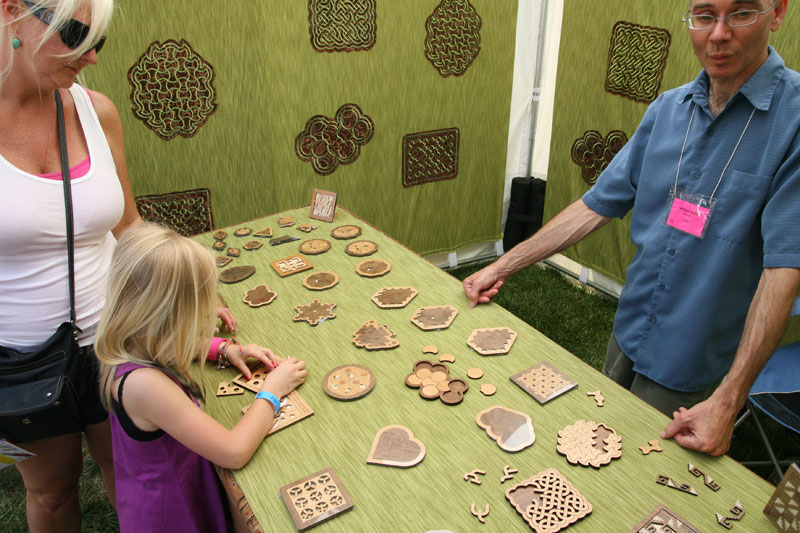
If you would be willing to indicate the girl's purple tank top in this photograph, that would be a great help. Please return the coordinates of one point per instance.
(161, 484)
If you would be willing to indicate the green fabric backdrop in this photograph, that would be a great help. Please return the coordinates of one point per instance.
(269, 81)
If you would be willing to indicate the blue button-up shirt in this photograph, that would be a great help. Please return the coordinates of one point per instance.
(682, 311)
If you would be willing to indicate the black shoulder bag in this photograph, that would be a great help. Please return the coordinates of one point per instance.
(39, 391)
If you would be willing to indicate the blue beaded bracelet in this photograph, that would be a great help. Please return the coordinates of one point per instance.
(271, 398)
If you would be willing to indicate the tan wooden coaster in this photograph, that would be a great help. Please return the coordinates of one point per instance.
(219, 245)
(589, 444)
(492, 341)
(783, 508)
(348, 382)
(474, 373)
(259, 295)
(264, 233)
(316, 498)
(258, 373)
(291, 265)
(512, 430)
(345, 232)
(374, 337)
(236, 274)
(314, 312)
(396, 446)
(323, 205)
(285, 221)
(306, 228)
(543, 381)
(222, 260)
(394, 297)
(315, 246)
(234, 252)
(220, 235)
(229, 389)
(242, 232)
(548, 502)
(434, 317)
(372, 268)
(319, 281)
(252, 245)
(487, 389)
(361, 248)
(662, 518)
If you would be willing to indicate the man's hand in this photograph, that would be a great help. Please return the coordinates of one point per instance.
(706, 427)
(482, 286)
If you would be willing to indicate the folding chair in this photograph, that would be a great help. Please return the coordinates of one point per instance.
(187, 212)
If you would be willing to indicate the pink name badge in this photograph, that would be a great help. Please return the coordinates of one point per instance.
(688, 217)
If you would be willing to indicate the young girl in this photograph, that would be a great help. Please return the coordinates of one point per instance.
(159, 318)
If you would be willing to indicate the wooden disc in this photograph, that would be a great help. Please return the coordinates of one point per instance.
(475, 373)
(319, 281)
(237, 274)
(487, 389)
(348, 382)
(429, 392)
(361, 248)
(345, 232)
(315, 246)
(372, 268)
(439, 376)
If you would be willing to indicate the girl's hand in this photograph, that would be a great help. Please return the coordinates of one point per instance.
(228, 320)
(238, 356)
(286, 377)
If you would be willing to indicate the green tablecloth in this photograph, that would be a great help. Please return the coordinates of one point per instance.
(434, 495)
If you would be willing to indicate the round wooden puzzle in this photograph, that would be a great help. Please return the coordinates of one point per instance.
(589, 444)
(345, 232)
(394, 297)
(315, 246)
(361, 248)
(348, 382)
(372, 268)
(236, 274)
(319, 281)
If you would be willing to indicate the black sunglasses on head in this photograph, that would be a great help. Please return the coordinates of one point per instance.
(72, 33)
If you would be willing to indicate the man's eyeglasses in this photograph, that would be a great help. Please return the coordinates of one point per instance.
(737, 19)
(72, 32)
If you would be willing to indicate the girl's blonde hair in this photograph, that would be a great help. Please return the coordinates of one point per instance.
(63, 10)
(160, 306)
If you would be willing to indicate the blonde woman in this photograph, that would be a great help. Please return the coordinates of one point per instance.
(44, 45)
(159, 318)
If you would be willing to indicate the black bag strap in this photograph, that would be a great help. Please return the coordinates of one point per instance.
(62, 141)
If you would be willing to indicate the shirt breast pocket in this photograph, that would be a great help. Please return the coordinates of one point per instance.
(736, 218)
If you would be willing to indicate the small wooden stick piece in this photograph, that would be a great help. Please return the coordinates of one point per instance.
(480, 515)
(598, 397)
(654, 446)
(473, 476)
(507, 471)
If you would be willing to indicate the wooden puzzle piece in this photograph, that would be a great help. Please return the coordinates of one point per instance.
(512, 430)
(285, 221)
(222, 260)
(589, 444)
(433, 381)
(242, 232)
(237, 274)
(345, 232)
(283, 239)
(348, 382)
(396, 446)
(375, 337)
(432, 349)
(234, 252)
(456, 388)
(487, 389)
(434, 317)
(319, 281)
(290, 265)
(598, 397)
(293, 409)
(323, 205)
(668, 482)
(472, 477)
(258, 373)
(710, 483)
(219, 245)
(264, 233)
(307, 228)
(229, 389)
(783, 508)
(475, 373)
(316, 498)
(361, 248)
(481, 516)
(654, 446)
(373, 268)
(259, 295)
(315, 246)
(220, 235)
(394, 297)
(492, 341)
(315, 312)
(507, 471)
(543, 381)
(664, 520)
(737, 511)
(447, 358)
(252, 245)
(548, 502)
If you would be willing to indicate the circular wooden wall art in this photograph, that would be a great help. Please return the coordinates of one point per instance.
(372, 268)
(345, 232)
(361, 248)
(319, 281)
(348, 382)
(236, 274)
(315, 246)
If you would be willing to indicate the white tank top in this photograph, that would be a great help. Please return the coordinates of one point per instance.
(34, 284)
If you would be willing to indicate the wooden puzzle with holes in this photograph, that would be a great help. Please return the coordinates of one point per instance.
(543, 381)
(548, 502)
(348, 382)
(290, 265)
(319, 281)
(394, 297)
(783, 508)
(314, 312)
(373, 336)
(589, 444)
(373, 268)
(492, 341)
(664, 520)
(316, 498)
(434, 317)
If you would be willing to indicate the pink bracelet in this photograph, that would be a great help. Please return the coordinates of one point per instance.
(213, 349)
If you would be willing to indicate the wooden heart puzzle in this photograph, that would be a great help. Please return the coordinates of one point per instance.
(543, 381)
(396, 446)
(316, 498)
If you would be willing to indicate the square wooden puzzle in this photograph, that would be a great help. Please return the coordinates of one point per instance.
(783, 508)
(323, 205)
(548, 502)
(664, 519)
(291, 265)
(316, 498)
(543, 381)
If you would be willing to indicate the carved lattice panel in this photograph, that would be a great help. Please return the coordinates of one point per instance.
(637, 57)
(342, 25)
(430, 156)
(593, 153)
(329, 142)
(453, 37)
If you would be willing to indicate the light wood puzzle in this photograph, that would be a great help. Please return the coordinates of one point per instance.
(259, 295)
(316, 498)
(348, 382)
(229, 389)
(361, 248)
(263, 233)
(589, 444)
(511, 430)
(345, 232)
(242, 232)
(396, 446)
(394, 297)
(492, 341)
(285, 221)
(314, 312)
(543, 381)
(548, 502)
(222, 260)
(290, 265)
(323, 205)
(319, 281)
(373, 336)
(315, 246)
(252, 245)
(783, 508)
(434, 317)
(373, 268)
(664, 520)
(237, 274)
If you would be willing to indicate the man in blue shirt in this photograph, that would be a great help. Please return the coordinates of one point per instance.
(712, 177)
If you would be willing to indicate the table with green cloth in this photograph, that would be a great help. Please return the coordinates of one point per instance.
(434, 494)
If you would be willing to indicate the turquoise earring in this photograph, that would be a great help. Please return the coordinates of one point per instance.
(15, 43)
